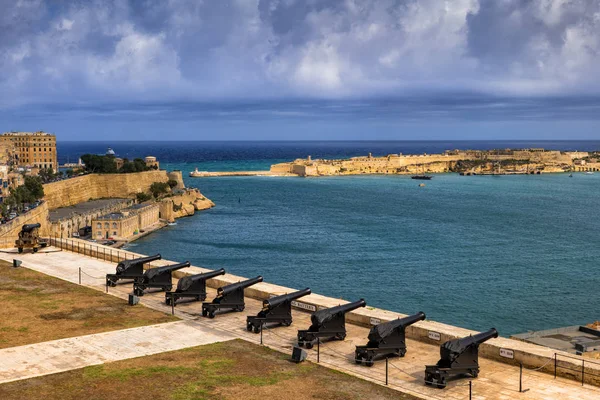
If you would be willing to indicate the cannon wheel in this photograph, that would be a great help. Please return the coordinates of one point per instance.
(249, 327)
(138, 292)
(240, 308)
(211, 314)
(20, 249)
(111, 283)
(204, 312)
(168, 301)
(340, 336)
(369, 361)
(286, 323)
(401, 353)
(256, 329)
(309, 345)
(474, 373)
(35, 249)
(441, 383)
(358, 359)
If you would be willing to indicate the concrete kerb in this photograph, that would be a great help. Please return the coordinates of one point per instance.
(500, 349)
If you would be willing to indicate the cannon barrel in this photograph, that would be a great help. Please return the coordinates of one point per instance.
(125, 264)
(235, 286)
(382, 330)
(29, 227)
(485, 336)
(167, 268)
(323, 315)
(187, 281)
(277, 300)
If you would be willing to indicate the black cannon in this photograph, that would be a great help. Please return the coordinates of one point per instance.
(229, 297)
(277, 309)
(130, 269)
(327, 323)
(159, 277)
(458, 356)
(192, 286)
(29, 238)
(386, 338)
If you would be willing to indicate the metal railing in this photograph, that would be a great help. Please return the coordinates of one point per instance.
(580, 371)
(92, 250)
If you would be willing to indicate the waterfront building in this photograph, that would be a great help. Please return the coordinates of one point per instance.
(151, 162)
(127, 222)
(31, 149)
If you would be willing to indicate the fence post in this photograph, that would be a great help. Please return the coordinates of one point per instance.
(582, 371)
(386, 371)
(470, 389)
(261, 329)
(173, 311)
(80, 275)
(554, 365)
(318, 349)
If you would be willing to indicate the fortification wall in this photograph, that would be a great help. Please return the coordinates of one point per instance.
(9, 232)
(183, 205)
(97, 186)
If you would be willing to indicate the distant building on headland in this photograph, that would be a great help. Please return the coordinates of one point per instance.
(29, 149)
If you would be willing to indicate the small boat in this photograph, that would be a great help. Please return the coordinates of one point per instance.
(570, 175)
(589, 173)
(422, 177)
(172, 223)
(110, 152)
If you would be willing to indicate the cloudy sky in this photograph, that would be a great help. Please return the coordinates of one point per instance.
(292, 69)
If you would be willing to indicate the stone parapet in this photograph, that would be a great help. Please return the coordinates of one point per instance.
(505, 350)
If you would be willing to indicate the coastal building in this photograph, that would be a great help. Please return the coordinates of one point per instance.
(31, 149)
(127, 222)
(151, 162)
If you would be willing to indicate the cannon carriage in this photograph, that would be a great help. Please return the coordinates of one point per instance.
(458, 356)
(159, 277)
(327, 323)
(192, 286)
(229, 297)
(130, 269)
(385, 339)
(277, 309)
(29, 238)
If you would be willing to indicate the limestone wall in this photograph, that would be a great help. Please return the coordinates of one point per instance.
(97, 186)
(10, 232)
(183, 205)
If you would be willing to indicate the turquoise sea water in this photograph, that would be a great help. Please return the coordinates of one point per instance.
(514, 252)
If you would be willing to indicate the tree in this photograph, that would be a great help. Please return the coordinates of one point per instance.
(142, 197)
(99, 164)
(158, 188)
(172, 183)
(34, 186)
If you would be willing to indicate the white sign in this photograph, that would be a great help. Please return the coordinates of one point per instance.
(506, 353)
(375, 321)
(304, 306)
(434, 335)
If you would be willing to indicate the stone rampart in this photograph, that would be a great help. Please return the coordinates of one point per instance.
(183, 205)
(97, 186)
(9, 232)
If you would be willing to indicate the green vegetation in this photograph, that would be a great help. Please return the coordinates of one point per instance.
(106, 164)
(229, 370)
(99, 164)
(158, 188)
(49, 308)
(137, 165)
(31, 191)
(172, 183)
(142, 197)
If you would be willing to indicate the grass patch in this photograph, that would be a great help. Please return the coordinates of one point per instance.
(37, 308)
(229, 370)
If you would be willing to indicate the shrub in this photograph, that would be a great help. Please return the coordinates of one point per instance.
(142, 197)
(158, 188)
(172, 183)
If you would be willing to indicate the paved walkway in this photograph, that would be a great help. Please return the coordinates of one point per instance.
(496, 380)
(46, 358)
